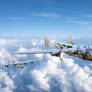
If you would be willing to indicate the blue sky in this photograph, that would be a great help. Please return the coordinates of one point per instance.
(40, 18)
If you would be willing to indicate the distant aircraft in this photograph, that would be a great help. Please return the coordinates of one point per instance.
(20, 65)
(82, 52)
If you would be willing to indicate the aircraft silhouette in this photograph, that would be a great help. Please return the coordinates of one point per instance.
(82, 52)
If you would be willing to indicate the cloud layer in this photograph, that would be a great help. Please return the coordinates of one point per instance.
(46, 74)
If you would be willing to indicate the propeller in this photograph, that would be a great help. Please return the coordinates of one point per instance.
(47, 43)
(70, 40)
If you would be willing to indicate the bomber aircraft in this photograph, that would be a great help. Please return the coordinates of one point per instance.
(82, 52)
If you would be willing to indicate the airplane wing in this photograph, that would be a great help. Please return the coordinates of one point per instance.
(90, 49)
(20, 65)
(35, 52)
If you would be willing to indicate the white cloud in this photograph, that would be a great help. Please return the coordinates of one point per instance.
(52, 15)
(34, 43)
(68, 75)
(32, 88)
(12, 18)
(79, 22)
(88, 15)
(22, 49)
(7, 82)
(48, 76)
(16, 18)
(89, 28)
(41, 79)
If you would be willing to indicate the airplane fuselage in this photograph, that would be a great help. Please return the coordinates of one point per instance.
(77, 51)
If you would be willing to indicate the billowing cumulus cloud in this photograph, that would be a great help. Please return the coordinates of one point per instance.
(6, 83)
(46, 74)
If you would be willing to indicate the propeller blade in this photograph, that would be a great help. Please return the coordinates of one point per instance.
(47, 43)
(70, 40)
